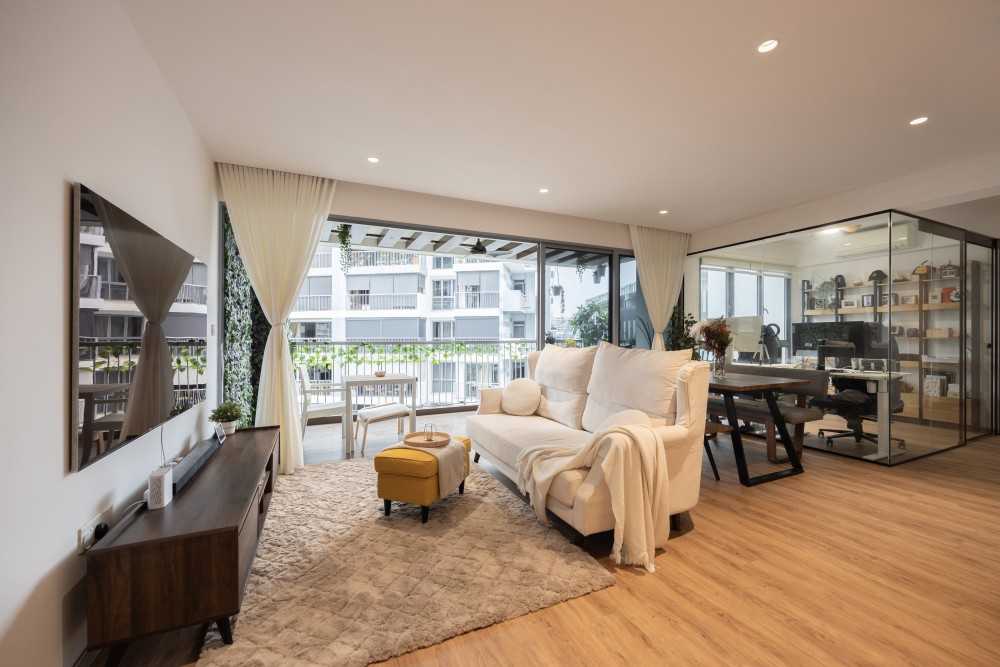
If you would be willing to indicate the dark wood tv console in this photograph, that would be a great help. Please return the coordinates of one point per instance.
(188, 562)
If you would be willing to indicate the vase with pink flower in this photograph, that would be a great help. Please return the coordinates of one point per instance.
(715, 337)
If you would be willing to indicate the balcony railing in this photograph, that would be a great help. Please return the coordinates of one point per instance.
(471, 366)
(193, 294)
(314, 302)
(361, 258)
(94, 286)
(479, 299)
(113, 291)
(322, 260)
(382, 301)
(443, 303)
(113, 361)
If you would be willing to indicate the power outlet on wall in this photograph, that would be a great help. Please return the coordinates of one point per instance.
(85, 533)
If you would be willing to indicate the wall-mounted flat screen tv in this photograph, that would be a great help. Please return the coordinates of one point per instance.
(139, 326)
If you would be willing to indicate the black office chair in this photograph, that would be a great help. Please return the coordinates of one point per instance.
(855, 405)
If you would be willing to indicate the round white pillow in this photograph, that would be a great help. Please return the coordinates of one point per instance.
(521, 397)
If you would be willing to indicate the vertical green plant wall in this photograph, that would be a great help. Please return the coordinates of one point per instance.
(244, 331)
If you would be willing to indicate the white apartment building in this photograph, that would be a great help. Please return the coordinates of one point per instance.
(387, 296)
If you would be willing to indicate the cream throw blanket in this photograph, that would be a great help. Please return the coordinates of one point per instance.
(635, 469)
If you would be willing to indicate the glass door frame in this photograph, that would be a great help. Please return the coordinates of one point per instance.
(614, 302)
(993, 246)
(964, 237)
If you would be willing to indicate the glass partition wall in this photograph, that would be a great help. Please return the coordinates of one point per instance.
(895, 309)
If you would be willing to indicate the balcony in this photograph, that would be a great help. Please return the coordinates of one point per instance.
(322, 260)
(314, 302)
(443, 303)
(113, 291)
(113, 361)
(382, 301)
(369, 258)
(461, 367)
(479, 299)
(193, 294)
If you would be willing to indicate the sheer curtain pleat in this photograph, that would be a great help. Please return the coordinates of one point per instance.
(659, 256)
(154, 270)
(277, 219)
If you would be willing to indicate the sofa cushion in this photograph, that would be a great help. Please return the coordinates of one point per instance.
(521, 397)
(636, 379)
(504, 436)
(563, 374)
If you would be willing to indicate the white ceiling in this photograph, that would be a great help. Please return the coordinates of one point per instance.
(621, 108)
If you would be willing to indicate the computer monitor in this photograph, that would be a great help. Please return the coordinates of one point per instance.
(808, 336)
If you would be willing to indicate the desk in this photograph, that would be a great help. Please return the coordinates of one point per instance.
(352, 381)
(878, 383)
(735, 383)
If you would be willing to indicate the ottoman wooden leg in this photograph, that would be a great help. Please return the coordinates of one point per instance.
(387, 506)
(424, 512)
(475, 459)
(461, 487)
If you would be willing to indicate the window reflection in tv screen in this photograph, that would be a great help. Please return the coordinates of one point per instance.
(140, 322)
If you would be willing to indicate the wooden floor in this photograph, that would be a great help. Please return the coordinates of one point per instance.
(849, 563)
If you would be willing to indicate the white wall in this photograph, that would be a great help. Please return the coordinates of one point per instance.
(84, 102)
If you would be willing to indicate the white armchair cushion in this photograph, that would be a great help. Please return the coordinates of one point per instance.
(635, 379)
(521, 397)
(563, 374)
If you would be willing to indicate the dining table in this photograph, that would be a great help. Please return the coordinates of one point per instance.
(354, 382)
(731, 385)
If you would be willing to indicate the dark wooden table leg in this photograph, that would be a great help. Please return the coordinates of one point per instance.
(779, 424)
(461, 487)
(737, 440)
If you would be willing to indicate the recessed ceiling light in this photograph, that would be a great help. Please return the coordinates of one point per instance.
(920, 120)
(373, 159)
(664, 211)
(767, 46)
(543, 191)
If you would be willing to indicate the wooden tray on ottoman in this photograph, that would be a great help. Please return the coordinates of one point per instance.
(419, 439)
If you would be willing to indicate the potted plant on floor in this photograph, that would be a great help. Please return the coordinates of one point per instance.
(227, 414)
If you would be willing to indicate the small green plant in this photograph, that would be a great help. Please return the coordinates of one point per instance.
(226, 412)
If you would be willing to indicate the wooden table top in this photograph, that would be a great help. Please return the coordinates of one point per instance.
(739, 382)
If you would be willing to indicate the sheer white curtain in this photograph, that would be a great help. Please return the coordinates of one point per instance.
(659, 256)
(154, 270)
(277, 220)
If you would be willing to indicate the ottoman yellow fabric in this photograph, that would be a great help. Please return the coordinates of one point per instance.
(410, 476)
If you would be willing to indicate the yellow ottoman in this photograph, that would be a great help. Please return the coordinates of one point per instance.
(411, 476)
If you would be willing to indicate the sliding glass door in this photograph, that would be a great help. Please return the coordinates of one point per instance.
(980, 400)
(577, 296)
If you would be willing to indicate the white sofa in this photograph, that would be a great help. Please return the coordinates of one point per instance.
(628, 379)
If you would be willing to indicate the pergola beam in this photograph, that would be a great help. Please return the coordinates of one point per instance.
(448, 243)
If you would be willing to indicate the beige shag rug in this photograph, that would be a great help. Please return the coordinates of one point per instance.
(336, 582)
